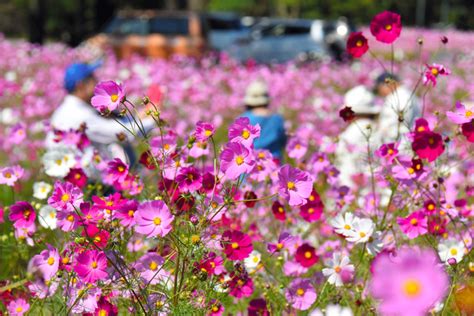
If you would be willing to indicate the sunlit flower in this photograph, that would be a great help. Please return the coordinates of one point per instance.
(340, 270)
(357, 44)
(451, 248)
(107, 96)
(300, 294)
(386, 27)
(41, 190)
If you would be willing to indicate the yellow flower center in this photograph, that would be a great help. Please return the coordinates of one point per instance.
(102, 312)
(52, 214)
(235, 245)
(413, 221)
(19, 309)
(307, 254)
(337, 269)
(431, 141)
(300, 292)
(311, 210)
(255, 259)
(431, 207)
(50, 261)
(215, 308)
(245, 134)
(114, 97)
(7, 175)
(65, 197)
(94, 264)
(157, 221)
(239, 160)
(207, 132)
(153, 266)
(388, 27)
(290, 185)
(453, 251)
(121, 169)
(65, 260)
(59, 162)
(434, 71)
(281, 210)
(311, 198)
(421, 129)
(347, 226)
(362, 234)
(411, 170)
(390, 151)
(412, 287)
(279, 245)
(359, 43)
(468, 113)
(70, 218)
(131, 213)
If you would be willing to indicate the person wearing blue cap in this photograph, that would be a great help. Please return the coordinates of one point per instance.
(76, 112)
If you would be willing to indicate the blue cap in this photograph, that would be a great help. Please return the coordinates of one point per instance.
(77, 72)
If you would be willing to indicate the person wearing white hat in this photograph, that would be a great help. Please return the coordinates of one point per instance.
(272, 133)
(351, 151)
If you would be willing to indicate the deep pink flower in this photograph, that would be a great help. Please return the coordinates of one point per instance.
(22, 214)
(47, 262)
(300, 294)
(426, 143)
(347, 114)
(240, 285)
(126, 213)
(241, 131)
(65, 197)
(204, 131)
(414, 225)
(117, 170)
(91, 266)
(77, 177)
(211, 264)
(18, 307)
(278, 211)
(189, 178)
(357, 44)
(153, 219)
(313, 210)
(387, 151)
(236, 159)
(306, 256)
(467, 130)
(410, 283)
(432, 72)
(461, 115)
(258, 307)
(295, 185)
(237, 245)
(107, 96)
(386, 27)
(296, 148)
(150, 267)
(67, 221)
(99, 237)
(90, 215)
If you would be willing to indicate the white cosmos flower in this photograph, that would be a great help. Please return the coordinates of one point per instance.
(362, 230)
(252, 261)
(375, 244)
(451, 248)
(41, 190)
(333, 310)
(343, 223)
(47, 217)
(339, 263)
(58, 161)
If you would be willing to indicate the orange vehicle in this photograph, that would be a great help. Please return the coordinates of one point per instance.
(159, 34)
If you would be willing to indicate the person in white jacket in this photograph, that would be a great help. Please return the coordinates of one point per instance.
(351, 151)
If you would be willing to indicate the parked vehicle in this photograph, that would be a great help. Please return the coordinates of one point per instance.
(155, 34)
(225, 29)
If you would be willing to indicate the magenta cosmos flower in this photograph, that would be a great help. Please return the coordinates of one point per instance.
(47, 262)
(22, 214)
(410, 283)
(236, 159)
(66, 197)
(150, 267)
(432, 72)
(91, 266)
(241, 131)
(153, 219)
(357, 44)
(426, 143)
(467, 130)
(414, 225)
(306, 255)
(189, 178)
(204, 131)
(18, 307)
(107, 96)
(237, 245)
(117, 170)
(295, 185)
(300, 294)
(461, 115)
(386, 27)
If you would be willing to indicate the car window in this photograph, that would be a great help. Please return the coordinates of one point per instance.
(170, 26)
(127, 26)
(224, 24)
(297, 30)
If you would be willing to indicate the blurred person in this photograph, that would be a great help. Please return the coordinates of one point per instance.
(76, 112)
(272, 134)
(351, 150)
(400, 107)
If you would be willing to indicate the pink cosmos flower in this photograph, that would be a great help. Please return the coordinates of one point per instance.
(236, 159)
(432, 72)
(10, 175)
(150, 267)
(237, 245)
(18, 307)
(410, 283)
(77, 176)
(189, 178)
(414, 225)
(461, 115)
(285, 241)
(117, 170)
(313, 210)
(387, 151)
(357, 44)
(153, 219)
(241, 131)
(211, 264)
(386, 27)
(306, 255)
(295, 185)
(467, 130)
(426, 143)
(65, 197)
(107, 96)
(91, 266)
(204, 131)
(126, 213)
(67, 221)
(240, 285)
(296, 148)
(22, 214)
(47, 262)
(300, 294)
